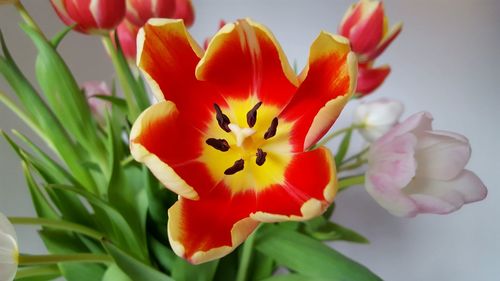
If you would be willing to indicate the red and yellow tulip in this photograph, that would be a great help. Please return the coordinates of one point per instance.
(90, 17)
(367, 27)
(232, 131)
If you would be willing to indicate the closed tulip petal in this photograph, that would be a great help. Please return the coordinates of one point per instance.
(184, 10)
(369, 79)
(386, 41)
(444, 153)
(367, 34)
(329, 84)
(140, 11)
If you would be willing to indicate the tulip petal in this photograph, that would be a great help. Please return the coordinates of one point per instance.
(7, 227)
(161, 139)
(367, 33)
(309, 187)
(211, 227)
(443, 197)
(168, 56)
(244, 60)
(184, 10)
(329, 84)
(369, 79)
(416, 124)
(140, 11)
(386, 41)
(8, 251)
(445, 155)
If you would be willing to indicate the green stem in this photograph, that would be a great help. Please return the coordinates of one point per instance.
(353, 166)
(335, 134)
(246, 258)
(125, 77)
(59, 224)
(37, 271)
(51, 259)
(127, 161)
(357, 156)
(347, 182)
(27, 18)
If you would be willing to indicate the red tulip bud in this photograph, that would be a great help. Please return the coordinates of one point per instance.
(127, 35)
(184, 10)
(90, 16)
(140, 11)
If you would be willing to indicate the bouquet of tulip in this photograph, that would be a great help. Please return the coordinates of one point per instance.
(230, 153)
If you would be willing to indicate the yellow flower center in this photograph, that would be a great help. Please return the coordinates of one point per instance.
(247, 146)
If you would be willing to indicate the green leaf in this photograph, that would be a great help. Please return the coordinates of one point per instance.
(62, 242)
(228, 267)
(114, 273)
(164, 255)
(295, 277)
(60, 36)
(343, 147)
(40, 202)
(109, 219)
(184, 271)
(309, 257)
(119, 102)
(135, 269)
(263, 266)
(49, 128)
(325, 230)
(64, 95)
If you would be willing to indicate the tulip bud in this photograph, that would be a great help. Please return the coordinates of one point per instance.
(377, 117)
(369, 79)
(366, 26)
(184, 10)
(127, 35)
(140, 11)
(90, 16)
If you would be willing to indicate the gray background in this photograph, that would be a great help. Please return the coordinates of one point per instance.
(446, 61)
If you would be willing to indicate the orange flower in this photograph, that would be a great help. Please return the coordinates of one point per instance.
(90, 17)
(231, 131)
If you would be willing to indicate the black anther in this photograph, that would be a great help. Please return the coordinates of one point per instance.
(261, 157)
(219, 144)
(252, 115)
(238, 166)
(222, 119)
(271, 132)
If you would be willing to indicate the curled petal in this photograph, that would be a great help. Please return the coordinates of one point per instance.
(211, 227)
(369, 79)
(329, 82)
(443, 197)
(244, 60)
(386, 41)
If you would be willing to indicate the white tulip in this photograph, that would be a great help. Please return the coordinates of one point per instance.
(9, 253)
(376, 118)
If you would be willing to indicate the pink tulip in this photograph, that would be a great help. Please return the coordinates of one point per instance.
(90, 16)
(140, 11)
(369, 79)
(127, 35)
(413, 169)
(366, 26)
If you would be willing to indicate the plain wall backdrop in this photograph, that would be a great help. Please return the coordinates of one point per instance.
(446, 61)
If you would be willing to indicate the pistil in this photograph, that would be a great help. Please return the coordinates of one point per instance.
(240, 133)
